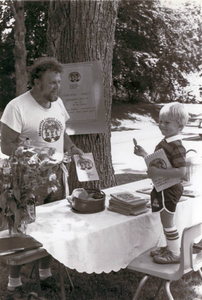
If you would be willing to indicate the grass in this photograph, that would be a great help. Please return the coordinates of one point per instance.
(115, 285)
(127, 111)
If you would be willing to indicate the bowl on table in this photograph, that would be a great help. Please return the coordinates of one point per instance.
(87, 201)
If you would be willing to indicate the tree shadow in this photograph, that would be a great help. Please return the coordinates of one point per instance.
(129, 177)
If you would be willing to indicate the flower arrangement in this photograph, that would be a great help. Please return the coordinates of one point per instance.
(21, 177)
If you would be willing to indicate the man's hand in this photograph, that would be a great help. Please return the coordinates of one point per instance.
(70, 147)
(75, 150)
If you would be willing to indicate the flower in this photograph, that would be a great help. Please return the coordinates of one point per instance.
(21, 177)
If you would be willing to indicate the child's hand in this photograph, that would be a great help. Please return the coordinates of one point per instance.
(138, 150)
(134, 142)
(153, 172)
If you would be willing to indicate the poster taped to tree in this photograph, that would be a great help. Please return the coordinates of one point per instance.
(82, 95)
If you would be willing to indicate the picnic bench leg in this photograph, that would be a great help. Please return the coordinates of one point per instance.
(32, 271)
(62, 287)
(38, 283)
(67, 272)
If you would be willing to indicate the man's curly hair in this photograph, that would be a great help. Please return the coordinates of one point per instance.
(41, 65)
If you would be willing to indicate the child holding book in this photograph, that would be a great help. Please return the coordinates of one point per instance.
(172, 119)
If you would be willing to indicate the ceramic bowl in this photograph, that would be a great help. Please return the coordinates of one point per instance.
(94, 203)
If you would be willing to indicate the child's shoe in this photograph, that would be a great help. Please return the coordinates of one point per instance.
(167, 258)
(159, 251)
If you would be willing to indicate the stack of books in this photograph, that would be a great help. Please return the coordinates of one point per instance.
(127, 203)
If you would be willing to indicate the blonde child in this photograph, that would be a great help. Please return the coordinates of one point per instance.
(172, 119)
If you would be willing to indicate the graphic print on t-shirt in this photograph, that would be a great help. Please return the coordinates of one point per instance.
(50, 130)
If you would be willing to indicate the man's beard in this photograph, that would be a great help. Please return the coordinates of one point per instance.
(52, 97)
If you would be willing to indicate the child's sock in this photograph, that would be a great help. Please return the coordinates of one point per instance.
(173, 240)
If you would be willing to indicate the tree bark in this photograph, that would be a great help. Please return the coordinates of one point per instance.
(20, 52)
(80, 31)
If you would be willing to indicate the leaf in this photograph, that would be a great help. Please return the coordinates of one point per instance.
(18, 217)
(11, 204)
(3, 221)
(3, 200)
(1, 186)
(26, 178)
(36, 192)
(9, 213)
(16, 193)
(15, 183)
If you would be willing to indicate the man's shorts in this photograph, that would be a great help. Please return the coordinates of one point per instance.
(166, 199)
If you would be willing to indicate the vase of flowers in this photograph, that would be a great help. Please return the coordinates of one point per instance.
(21, 177)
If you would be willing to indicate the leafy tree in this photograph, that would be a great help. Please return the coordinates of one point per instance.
(36, 16)
(7, 71)
(155, 46)
(35, 19)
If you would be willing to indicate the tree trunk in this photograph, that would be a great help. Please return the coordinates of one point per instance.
(80, 31)
(20, 52)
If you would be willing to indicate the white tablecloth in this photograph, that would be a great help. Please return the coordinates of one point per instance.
(104, 241)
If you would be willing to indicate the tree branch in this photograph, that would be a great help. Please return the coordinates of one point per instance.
(12, 6)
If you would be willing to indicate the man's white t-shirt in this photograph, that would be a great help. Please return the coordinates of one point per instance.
(44, 127)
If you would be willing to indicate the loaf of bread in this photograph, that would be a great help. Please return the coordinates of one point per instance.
(80, 193)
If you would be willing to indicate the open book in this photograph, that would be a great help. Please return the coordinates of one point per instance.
(85, 167)
(159, 160)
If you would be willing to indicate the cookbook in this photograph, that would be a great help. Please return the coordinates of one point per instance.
(159, 160)
(85, 167)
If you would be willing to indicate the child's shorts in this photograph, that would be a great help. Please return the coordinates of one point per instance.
(166, 199)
